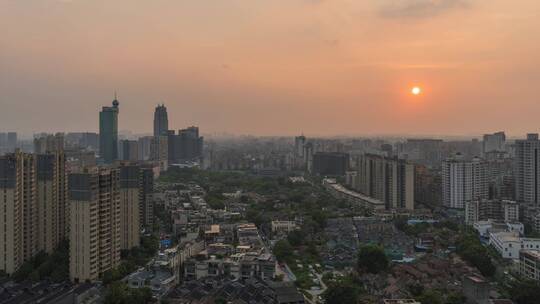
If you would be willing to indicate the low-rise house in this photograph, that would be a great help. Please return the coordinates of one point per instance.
(484, 228)
(159, 281)
(247, 291)
(283, 227)
(239, 266)
(509, 244)
(529, 264)
(475, 289)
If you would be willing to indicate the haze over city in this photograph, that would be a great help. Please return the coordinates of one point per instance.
(322, 67)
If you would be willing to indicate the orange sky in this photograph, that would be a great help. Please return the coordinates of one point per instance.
(273, 67)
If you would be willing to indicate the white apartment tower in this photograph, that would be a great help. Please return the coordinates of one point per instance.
(463, 180)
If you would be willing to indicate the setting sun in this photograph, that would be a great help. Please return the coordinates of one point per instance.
(416, 91)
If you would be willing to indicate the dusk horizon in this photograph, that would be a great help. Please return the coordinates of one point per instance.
(322, 67)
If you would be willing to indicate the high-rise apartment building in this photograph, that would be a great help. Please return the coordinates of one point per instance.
(187, 145)
(130, 178)
(427, 183)
(299, 142)
(12, 140)
(299, 156)
(308, 157)
(161, 121)
(51, 193)
(3, 139)
(94, 198)
(330, 163)
(18, 210)
(499, 210)
(427, 152)
(146, 198)
(130, 150)
(527, 170)
(463, 180)
(159, 151)
(494, 142)
(49, 143)
(390, 180)
(108, 132)
(145, 147)
(84, 140)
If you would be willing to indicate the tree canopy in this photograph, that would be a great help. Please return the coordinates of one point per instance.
(371, 259)
(343, 291)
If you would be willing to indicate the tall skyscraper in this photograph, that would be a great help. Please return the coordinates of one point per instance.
(527, 170)
(463, 181)
(18, 210)
(390, 180)
(161, 121)
(108, 132)
(299, 142)
(52, 208)
(94, 242)
(129, 206)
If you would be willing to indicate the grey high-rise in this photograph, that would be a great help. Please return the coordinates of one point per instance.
(161, 121)
(527, 170)
(108, 132)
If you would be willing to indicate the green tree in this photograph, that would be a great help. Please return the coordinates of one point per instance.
(430, 297)
(455, 298)
(283, 250)
(371, 258)
(220, 300)
(139, 296)
(524, 292)
(116, 293)
(296, 238)
(472, 251)
(342, 292)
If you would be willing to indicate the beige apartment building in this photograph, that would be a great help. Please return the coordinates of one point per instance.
(94, 199)
(18, 216)
(130, 226)
(51, 192)
(390, 180)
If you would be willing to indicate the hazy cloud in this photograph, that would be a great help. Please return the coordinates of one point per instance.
(419, 8)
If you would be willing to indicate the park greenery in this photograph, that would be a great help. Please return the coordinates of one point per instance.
(471, 250)
(132, 259)
(44, 266)
(524, 292)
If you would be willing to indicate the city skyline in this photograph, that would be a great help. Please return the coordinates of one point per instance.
(325, 68)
